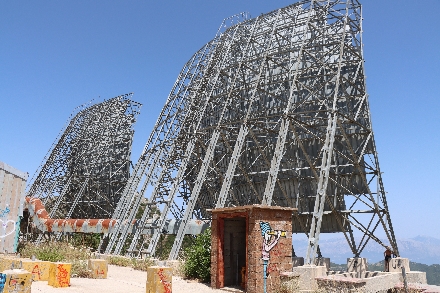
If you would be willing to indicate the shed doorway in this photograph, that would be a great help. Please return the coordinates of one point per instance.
(234, 252)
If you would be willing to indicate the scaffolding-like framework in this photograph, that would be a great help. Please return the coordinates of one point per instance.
(274, 111)
(86, 169)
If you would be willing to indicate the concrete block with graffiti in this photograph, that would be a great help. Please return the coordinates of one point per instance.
(38, 268)
(159, 279)
(59, 274)
(16, 281)
(12, 186)
(99, 268)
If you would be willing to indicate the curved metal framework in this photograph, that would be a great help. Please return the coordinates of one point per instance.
(85, 171)
(274, 110)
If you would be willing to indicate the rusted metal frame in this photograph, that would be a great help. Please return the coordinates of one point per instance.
(368, 228)
(43, 170)
(208, 156)
(360, 249)
(266, 160)
(231, 168)
(155, 196)
(278, 181)
(352, 193)
(165, 115)
(245, 175)
(350, 120)
(317, 178)
(362, 228)
(104, 109)
(226, 184)
(264, 61)
(376, 207)
(282, 133)
(58, 141)
(393, 241)
(315, 226)
(214, 166)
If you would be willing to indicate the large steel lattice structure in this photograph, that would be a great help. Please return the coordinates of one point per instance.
(85, 171)
(274, 111)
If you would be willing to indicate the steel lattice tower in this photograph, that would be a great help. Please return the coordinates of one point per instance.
(85, 171)
(274, 111)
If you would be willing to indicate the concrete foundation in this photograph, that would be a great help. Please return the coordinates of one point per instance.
(16, 281)
(159, 279)
(8, 262)
(397, 263)
(323, 261)
(368, 281)
(303, 278)
(357, 265)
(99, 268)
(415, 277)
(59, 274)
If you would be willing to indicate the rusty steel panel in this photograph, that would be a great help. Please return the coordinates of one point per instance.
(12, 185)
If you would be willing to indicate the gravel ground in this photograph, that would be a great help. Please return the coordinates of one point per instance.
(121, 279)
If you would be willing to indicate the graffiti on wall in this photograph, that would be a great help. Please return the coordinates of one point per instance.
(270, 240)
(62, 276)
(17, 283)
(2, 282)
(164, 281)
(7, 227)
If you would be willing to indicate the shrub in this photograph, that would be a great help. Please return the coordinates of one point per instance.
(59, 251)
(198, 258)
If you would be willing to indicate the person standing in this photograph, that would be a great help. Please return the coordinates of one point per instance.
(388, 252)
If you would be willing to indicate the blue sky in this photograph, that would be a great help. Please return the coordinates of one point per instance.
(57, 55)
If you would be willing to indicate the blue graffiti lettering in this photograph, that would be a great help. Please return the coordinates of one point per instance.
(4, 212)
(2, 282)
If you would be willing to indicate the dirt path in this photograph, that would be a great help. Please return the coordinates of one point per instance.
(121, 279)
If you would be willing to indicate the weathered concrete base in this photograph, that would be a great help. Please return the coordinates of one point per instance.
(17, 281)
(8, 262)
(159, 279)
(59, 274)
(304, 277)
(368, 282)
(417, 288)
(357, 265)
(297, 261)
(397, 263)
(323, 261)
(38, 268)
(99, 268)
(415, 277)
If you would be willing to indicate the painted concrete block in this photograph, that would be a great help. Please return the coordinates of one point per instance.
(358, 265)
(16, 281)
(323, 261)
(159, 279)
(38, 268)
(2, 281)
(99, 268)
(59, 274)
(397, 263)
(307, 275)
(8, 262)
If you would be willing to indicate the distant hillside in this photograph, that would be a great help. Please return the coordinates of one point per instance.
(421, 249)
